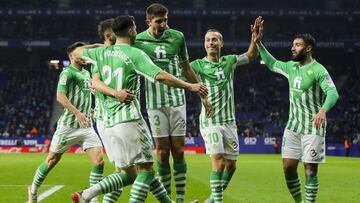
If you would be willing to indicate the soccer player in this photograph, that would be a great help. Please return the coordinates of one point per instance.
(107, 35)
(131, 143)
(312, 93)
(166, 106)
(219, 131)
(74, 126)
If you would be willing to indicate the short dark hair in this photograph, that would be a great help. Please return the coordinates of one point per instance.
(156, 9)
(73, 46)
(103, 26)
(308, 39)
(122, 24)
(214, 30)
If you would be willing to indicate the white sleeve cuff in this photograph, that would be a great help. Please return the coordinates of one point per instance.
(242, 59)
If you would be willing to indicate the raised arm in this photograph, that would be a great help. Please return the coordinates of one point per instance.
(271, 62)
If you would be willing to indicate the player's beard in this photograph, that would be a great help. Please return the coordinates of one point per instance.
(300, 56)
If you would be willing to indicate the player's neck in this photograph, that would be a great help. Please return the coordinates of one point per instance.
(76, 65)
(306, 61)
(155, 34)
(123, 40)
(213, 57)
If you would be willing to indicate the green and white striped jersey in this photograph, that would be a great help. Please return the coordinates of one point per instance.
(167, 52)
(99, 110)
(75, 84)
(121, 66)
(308, 86)
(218, 78)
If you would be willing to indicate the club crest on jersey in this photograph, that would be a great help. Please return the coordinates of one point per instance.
(309, 72)
(63, 80)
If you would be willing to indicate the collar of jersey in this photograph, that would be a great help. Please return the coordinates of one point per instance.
(162, 36)
(75, 69)
(307, 65)
(207, 60)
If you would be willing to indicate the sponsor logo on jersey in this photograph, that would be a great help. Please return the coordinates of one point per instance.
(329, 81)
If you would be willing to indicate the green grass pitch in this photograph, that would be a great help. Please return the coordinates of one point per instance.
(258, 178)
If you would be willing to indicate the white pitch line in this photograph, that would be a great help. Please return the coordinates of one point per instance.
(49, 192)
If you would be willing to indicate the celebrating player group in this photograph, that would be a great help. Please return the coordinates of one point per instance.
(160, 55)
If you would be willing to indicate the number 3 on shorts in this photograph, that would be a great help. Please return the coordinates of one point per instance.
(157, 120)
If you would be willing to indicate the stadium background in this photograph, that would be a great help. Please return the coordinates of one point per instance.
(33, 32)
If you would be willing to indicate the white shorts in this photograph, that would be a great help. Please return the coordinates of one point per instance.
(130, 143)
(65, 137)
(100, 125)
(307, 148)
(221, 139)
(168, 121)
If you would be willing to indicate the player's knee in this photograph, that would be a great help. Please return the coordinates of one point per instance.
(178, 154)
(163, 152)
(230, 165)
(310, 170)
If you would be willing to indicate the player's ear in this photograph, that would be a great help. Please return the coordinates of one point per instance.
(309, 48)
(148, 22)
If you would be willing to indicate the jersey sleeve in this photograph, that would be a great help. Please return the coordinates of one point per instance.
(274, 65)
(327, 85)
(241, 59)
(195, 66)
(183, 53)
(144, 66)
(90, 55)
(64, 81)
(94, 70)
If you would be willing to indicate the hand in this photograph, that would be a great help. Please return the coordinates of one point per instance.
(207, 106)
(92, 116)
(319, 118)
(82, 120)
(125, 96)
(257, 30)
(199, 88)
(92, 90)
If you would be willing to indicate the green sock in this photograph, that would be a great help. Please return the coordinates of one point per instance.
(96, 174)
(294, 185)
(164, 173)
(311, 188)
(115, 181)
(216, 186)
(226, 177)
(112, 197)
(110, 183)
(39, 177)
(180, 179)
(158, 190)
(141, 186)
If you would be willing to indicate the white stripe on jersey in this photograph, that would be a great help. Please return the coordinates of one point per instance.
(312, 108)
(306, 112)
(150, 93)
(158, 95)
